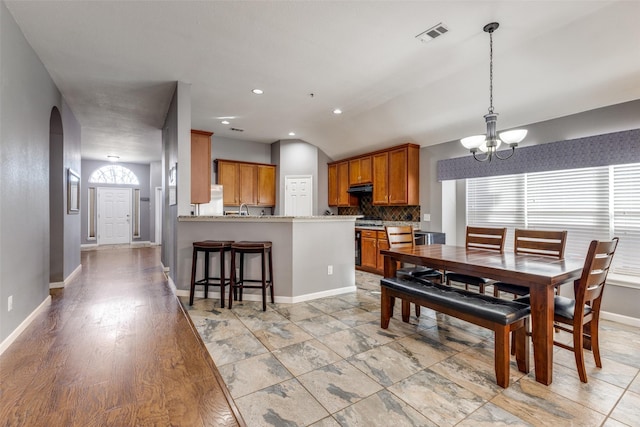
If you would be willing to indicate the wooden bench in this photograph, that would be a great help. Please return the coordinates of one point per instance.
(501, 316)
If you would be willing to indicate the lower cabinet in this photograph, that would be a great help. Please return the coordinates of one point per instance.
(370, 244)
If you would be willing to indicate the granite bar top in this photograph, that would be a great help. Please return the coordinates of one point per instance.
(265, 218)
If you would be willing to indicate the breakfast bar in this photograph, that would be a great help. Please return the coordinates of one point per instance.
(313, 257)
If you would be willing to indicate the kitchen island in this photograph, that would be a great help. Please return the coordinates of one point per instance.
(313, 257)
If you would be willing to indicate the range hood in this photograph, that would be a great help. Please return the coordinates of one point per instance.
(360, 189)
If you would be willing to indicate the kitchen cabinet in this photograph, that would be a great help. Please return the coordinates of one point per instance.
(266, 185)
(200, 166)
(396, 175)
(333, 184)
(360, 171)
(339, 184)
(245, 182)
(371, 242)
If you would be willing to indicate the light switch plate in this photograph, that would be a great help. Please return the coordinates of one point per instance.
(426, 217)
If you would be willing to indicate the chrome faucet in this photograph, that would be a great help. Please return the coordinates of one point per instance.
(246, 208)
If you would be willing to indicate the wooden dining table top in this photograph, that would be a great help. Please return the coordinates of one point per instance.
(525, 270)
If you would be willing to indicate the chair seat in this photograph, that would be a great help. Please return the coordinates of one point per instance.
(212, 244)
(471, 280)
(562, 306)
(418, 271)
(245, 245)
(511, 288)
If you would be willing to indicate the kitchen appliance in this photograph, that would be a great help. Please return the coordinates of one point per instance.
(216, 206)
(358, 247)
(429, 238)
(360, 189)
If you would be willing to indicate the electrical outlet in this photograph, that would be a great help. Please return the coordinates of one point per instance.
(10, 303)
(330, 270)
(426, 217)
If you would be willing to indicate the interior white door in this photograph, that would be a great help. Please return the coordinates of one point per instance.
(114, 216)
(298, 200)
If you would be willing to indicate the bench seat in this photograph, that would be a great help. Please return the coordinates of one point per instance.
(500, 316)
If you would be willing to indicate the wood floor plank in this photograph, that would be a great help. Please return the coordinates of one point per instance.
(114, 348)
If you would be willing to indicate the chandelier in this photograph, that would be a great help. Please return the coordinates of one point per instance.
(490, 142)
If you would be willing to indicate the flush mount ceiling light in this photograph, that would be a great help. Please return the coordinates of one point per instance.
(292, 134)
(490, 142)
(225, 122)
(337, 111)
(258, 91)
(113, 158)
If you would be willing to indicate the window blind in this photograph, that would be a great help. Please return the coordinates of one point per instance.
(591, 204)
(626, 218)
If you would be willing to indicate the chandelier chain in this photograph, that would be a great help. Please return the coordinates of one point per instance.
(491, 72)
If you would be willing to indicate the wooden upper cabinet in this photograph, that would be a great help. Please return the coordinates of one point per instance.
(248, 181)
(200, 166)
(229, 179)
(266, 185)
(344, 198)
(404, 173)
(245, 182)
(333, 184)
(360, 171)
(381, 178)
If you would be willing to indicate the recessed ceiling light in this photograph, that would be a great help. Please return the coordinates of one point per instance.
(258, 91)
(113, 158)
(292, 134)
(337, 111)
(225, 122)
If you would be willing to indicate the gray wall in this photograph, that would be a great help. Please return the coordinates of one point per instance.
(142, 171)
(28, 96)
(295, 157)
(155, 180)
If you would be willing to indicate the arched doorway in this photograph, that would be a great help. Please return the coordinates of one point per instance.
(56, 200)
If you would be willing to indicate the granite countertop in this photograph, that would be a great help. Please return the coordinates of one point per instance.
(264, 218)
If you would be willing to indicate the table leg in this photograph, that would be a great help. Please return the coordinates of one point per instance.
(542, 331)
(390, 266)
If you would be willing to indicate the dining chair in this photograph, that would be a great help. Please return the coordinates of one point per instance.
(486, 238)
(588, 289)
(401, 236)
(546, 243)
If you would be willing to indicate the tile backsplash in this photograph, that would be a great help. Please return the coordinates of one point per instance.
(386, 213)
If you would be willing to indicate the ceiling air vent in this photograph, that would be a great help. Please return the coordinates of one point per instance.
(237, 130)
(432, 33)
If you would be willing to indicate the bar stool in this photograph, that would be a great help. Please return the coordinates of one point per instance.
(246, 247)
(209, 247)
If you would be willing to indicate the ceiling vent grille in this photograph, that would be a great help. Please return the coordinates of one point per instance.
(237, 130)
(432, 33)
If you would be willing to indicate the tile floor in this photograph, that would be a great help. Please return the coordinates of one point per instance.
(327, 363)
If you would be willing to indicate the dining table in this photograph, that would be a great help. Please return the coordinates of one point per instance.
(539, 273)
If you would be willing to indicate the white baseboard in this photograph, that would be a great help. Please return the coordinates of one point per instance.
(134, 244)
(619, 318)
(252, 296)
(65, 282)
(25, 323)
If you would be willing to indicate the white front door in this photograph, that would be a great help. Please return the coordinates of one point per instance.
(298, 200)
(114, 215)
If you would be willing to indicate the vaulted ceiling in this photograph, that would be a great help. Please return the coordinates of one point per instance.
(116, 64)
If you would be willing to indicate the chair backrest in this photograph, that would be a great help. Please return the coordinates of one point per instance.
(400, 236)
(540, 242)
(588, 289)
(486, 238)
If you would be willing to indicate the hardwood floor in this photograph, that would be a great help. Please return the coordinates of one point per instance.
(115, 348)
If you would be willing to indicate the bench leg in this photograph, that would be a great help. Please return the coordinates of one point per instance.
(502, 354)
(406, 311)
(522, 344)
(386, 307)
